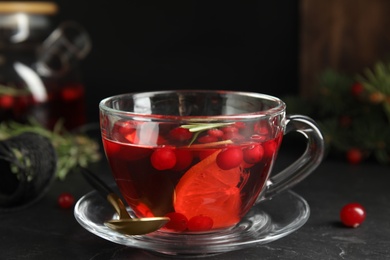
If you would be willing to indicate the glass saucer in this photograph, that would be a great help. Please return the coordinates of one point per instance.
(266, 222)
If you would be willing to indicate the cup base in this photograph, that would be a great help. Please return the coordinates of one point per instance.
(266, 222)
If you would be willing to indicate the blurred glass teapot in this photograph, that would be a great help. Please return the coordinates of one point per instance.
(39, 67)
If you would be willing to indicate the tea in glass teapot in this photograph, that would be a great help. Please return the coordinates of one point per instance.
(40, 65)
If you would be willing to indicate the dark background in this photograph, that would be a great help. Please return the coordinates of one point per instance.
(155, 45)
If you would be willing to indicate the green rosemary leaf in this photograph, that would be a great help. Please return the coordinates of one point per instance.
(72, 149)
(202, 127)
(197, 128)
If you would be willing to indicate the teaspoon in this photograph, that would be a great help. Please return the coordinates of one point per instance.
(125, 224)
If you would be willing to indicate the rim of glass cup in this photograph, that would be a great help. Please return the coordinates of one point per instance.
(279, 108)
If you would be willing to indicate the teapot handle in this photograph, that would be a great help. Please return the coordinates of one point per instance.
(65, 45)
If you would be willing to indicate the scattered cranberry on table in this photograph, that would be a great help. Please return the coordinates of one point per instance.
(354, 156)
(357, 89)
(65, 200)
(352, 214)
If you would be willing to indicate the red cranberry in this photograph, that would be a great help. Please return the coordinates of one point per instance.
(65, 200)
(354, 156)
(262, 128)
(230, 129)
(352, 215)
(270, 148)
(183, 160)
(6, 101)
(229, 158)
(207, 139)
(180, 134)
(200, 223)
(357, 89)
(240, 125)
(178, 222)
(72, 93)
(163, 159)
(215, 132)
(253, 154)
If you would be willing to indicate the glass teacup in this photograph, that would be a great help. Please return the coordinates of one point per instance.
(202, 158)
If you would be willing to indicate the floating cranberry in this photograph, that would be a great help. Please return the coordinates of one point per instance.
(178, 222)
(235, 136)
(183, 160)
(240, 125)
(180, 134)
(253, 154)
(352, 215)
(215, 132)
(65, 200)
(270, 148)
(200, 223)
(230, 129)
(163, 159)
(229, 158)
(207, 139)
(262, 128)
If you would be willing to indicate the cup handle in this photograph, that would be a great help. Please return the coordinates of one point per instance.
(303, 166)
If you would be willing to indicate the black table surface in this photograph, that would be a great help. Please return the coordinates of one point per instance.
(45, 231)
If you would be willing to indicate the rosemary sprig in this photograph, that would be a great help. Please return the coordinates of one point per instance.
(12, 91)
(72, 149)
(204, 126)
(377, 82)
(199, 128)
(212, 145)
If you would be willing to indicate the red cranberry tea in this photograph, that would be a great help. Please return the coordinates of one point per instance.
(203, 176)
(201, 157)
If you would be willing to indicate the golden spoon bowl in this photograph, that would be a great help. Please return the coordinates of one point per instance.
(125, 224)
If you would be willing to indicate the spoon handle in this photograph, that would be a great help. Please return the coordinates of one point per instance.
(106, 192)
(97, 183)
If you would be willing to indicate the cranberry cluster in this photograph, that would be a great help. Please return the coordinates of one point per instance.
(178, 222)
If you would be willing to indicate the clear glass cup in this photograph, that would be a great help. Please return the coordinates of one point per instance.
(203, 158)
